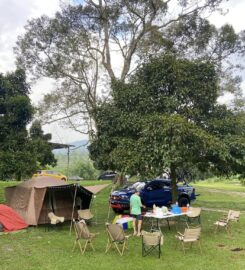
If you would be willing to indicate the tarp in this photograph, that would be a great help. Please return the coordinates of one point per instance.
(10, 220)
(97, 188)
(34, 199)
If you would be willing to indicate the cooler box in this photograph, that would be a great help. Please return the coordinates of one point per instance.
(125, 222)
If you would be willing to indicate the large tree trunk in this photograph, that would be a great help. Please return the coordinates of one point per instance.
(173, 176)
(120, 179)
(18, 176)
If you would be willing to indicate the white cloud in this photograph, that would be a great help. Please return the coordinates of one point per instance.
(63, 135)
(39, 89)
(13, 16)
(234, 10)
(226, 98)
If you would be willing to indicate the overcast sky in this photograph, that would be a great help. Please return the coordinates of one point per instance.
(14, 15)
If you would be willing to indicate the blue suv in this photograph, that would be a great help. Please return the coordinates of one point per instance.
(157, 191)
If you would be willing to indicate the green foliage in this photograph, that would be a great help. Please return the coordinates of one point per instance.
(15, 113)
(80, 165)
(77, 45)
(20, 154)
(167, 116)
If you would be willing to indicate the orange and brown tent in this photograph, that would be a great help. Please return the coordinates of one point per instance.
(34, 199)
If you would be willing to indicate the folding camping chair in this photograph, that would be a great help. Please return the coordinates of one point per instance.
(151, 241)
(225, 222)
(82, 232)
(85, 214)
(194, 217)
(116, 237)
(189, 236)
(54, 220)
(234, 215)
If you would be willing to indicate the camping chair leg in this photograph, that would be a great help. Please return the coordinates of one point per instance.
(120, 252)
(126, 244)
(176, 245)
(145, 251)
(108, 246)
(123, 248)
(74, 246)
(199, 243)
(91, 245)
(85, 246)
(79, 244)
(183, 246)
(229, 228)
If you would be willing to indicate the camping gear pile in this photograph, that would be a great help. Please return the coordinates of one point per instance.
(124, 220)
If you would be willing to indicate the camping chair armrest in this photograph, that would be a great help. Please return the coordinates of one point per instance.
(223, 220)
(180, 234)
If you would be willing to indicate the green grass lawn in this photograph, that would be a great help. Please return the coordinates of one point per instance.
(220, 195)
(38, 248)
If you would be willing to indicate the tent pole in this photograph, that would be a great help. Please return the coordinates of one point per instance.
(91, 205)
(68, 162)
(109, 207)
(74, 200)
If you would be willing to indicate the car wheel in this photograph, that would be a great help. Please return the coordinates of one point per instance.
(63, 179)
(183, 201)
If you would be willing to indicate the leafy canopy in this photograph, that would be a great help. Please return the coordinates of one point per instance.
(167, 116)
(20, 154)
(87, 45)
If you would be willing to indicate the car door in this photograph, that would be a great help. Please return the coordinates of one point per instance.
(166, 198)
(156, 192)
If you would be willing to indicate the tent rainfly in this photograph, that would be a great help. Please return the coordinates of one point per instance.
(10, 220)
(35, 198)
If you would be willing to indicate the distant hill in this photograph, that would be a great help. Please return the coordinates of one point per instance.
(79, 147)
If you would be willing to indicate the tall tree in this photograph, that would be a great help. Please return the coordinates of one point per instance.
(87, 46)
(15, 113)
(20, 153)
(167, 116)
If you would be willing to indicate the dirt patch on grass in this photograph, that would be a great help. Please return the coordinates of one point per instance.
(237, 249)
(235, 193)
(229, 248)
(220, 245)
